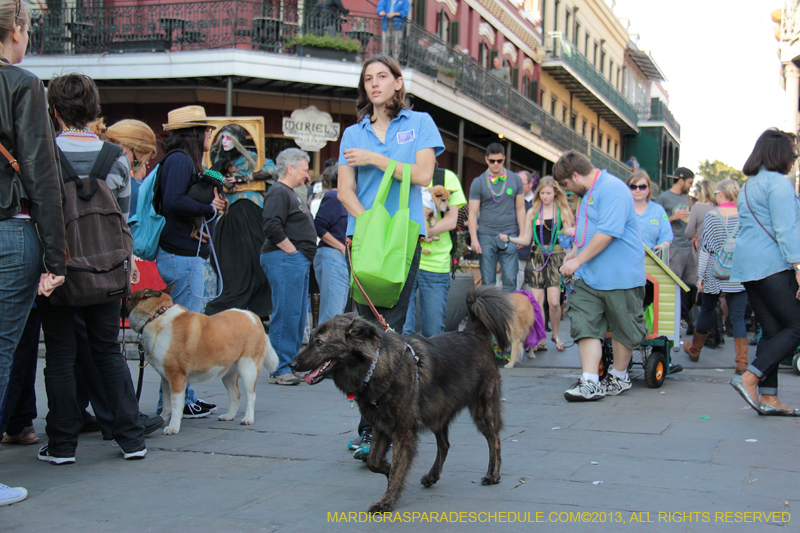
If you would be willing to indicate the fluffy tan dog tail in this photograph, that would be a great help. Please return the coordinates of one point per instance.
(270, 360)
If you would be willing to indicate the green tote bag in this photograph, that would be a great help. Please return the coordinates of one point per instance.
(383, 246)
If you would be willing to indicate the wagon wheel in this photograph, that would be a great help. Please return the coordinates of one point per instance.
(606, 360)
(796, 363)
(655, 369)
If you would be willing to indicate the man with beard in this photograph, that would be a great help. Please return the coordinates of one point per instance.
(608, 267)
(675, 202)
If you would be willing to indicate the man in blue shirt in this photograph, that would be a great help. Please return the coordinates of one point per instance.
(609, 275)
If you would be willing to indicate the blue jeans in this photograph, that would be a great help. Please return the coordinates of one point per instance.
(494, 250)
(737, 301)
(186, 274)
(433, 288)
(20, 266)
(333, 277)
(288, 278)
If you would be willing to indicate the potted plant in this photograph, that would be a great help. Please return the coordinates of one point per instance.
(446, 76)
(326, 46)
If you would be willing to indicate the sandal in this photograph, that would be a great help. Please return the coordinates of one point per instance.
(559, 343)
(541, 347)
(25, 437)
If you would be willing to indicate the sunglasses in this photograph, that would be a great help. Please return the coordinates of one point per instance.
(641, 187)
(496, 161)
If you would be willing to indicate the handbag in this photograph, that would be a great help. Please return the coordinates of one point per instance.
(384, 245)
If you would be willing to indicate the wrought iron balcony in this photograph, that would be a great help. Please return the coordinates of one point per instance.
(271, 26)
(617, 168)
(570, 68)
(659, 112)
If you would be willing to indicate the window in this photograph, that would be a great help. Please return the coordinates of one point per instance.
(420, 10)
(602, 66)
(600, 139)
(455, 36)
(611, 71)
(553, 101)
(556, 5)
(594, 57)
(573, 121)
(591, 138)
(492, 55)
(576, 33)
(483, 55)
(515, 77)
(583, 128)
(443, 25)
(533, 90)
(586, 46)
(608, 145)
(619, 80)
(564, 114)
(567, 22)
(616, 148)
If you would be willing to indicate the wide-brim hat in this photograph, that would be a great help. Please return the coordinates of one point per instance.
(682, 173)
(190, 116)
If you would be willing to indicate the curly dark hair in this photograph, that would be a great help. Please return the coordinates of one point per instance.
(76, 99)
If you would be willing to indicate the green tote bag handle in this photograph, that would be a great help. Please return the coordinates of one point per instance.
(384, 245)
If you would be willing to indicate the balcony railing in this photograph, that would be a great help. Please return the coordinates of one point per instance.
(601, 160)
(270, 26)
(565, 51)
(659, 112)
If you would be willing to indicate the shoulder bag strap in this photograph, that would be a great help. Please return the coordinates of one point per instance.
(438, 177)
(11, 160)
(69, 172)
(747, 201)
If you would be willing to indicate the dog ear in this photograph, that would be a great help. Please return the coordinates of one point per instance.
(362, 335)
(452, 191)
(168, 290)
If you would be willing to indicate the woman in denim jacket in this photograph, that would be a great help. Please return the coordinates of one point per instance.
(767, 261)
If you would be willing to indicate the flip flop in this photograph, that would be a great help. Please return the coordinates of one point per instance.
(25, 437)
(559, 344)
(540, 347)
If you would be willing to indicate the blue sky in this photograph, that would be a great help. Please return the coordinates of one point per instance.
(721, 60)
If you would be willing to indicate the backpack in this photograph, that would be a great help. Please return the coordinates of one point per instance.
(99, 243)
(724, 256)
(438, 179)
(146, 224)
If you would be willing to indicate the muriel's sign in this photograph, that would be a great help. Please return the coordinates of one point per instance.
(311, 128)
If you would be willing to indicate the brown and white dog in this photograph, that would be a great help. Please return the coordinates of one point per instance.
(434, 199)
(185, 346)
(524, 318)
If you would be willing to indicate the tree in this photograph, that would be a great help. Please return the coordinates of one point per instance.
(717, 170)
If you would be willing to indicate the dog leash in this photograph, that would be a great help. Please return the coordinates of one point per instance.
(203, 228)
(380, 318)
(161, 311)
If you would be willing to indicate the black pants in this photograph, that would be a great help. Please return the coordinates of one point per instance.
(64, 419)
(89, 381)
(775, 303)
(395, 316)
(20, 410)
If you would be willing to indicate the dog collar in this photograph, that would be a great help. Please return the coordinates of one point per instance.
(351, 396)
(160, 312)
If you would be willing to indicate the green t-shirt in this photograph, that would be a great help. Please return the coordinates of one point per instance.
(439, 258)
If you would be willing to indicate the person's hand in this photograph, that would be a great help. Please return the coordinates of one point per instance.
(219, 203)
(392, 15)
(797, 275)
(700, 286)
(569, 232)
(358, 157)
(49, 282)
(382, 14)
(682, 213)
(571, 255)
(569, 267)
(503, 237)
(520, 247)
(135, 275)
(476, 247)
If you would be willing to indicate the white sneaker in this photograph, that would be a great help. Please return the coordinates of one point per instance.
(44, 455)
(614, 386)
(134, 455)
(584, 391)
(9, 495)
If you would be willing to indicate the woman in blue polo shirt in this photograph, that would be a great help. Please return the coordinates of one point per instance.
(653, 220)
(386, 131)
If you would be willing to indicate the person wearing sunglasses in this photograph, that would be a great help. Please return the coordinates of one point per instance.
(497, 196)
(653, 220)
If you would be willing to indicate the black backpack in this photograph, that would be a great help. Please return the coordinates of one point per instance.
(99, 243)
(438, 179)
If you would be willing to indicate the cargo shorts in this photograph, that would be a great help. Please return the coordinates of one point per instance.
(593, 312)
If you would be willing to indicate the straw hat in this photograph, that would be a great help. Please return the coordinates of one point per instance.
(186, 117)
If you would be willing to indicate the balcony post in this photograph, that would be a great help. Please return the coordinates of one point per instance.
(460, 151)
(792, 74)
(229, 97)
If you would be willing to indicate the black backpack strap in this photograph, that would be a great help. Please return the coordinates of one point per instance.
(68, 171)
(438, 177)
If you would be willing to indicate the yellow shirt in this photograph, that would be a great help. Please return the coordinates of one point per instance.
(439, 258)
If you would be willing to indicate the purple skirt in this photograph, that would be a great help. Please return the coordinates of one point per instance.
(537, 333)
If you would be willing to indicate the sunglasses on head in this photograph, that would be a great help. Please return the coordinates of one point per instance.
(496, 161)
(641, 187)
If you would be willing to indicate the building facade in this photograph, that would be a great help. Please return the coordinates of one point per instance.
(576, 79)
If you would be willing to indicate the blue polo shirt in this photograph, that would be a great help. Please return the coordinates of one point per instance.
(654, 225)
(611, 212)
(408, 133)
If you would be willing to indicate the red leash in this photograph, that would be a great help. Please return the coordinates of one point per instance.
(380, 318)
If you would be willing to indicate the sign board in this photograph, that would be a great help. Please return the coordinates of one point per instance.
(311, 128)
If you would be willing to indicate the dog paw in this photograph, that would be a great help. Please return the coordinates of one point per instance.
(169, 430)
(225, 418)
(380, 507)
(247, 421)
(428, 480)
(508, 365)
(490, 480)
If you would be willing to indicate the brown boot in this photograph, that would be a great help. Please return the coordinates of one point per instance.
(741, 355)
(693, 348)
(314, 310)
